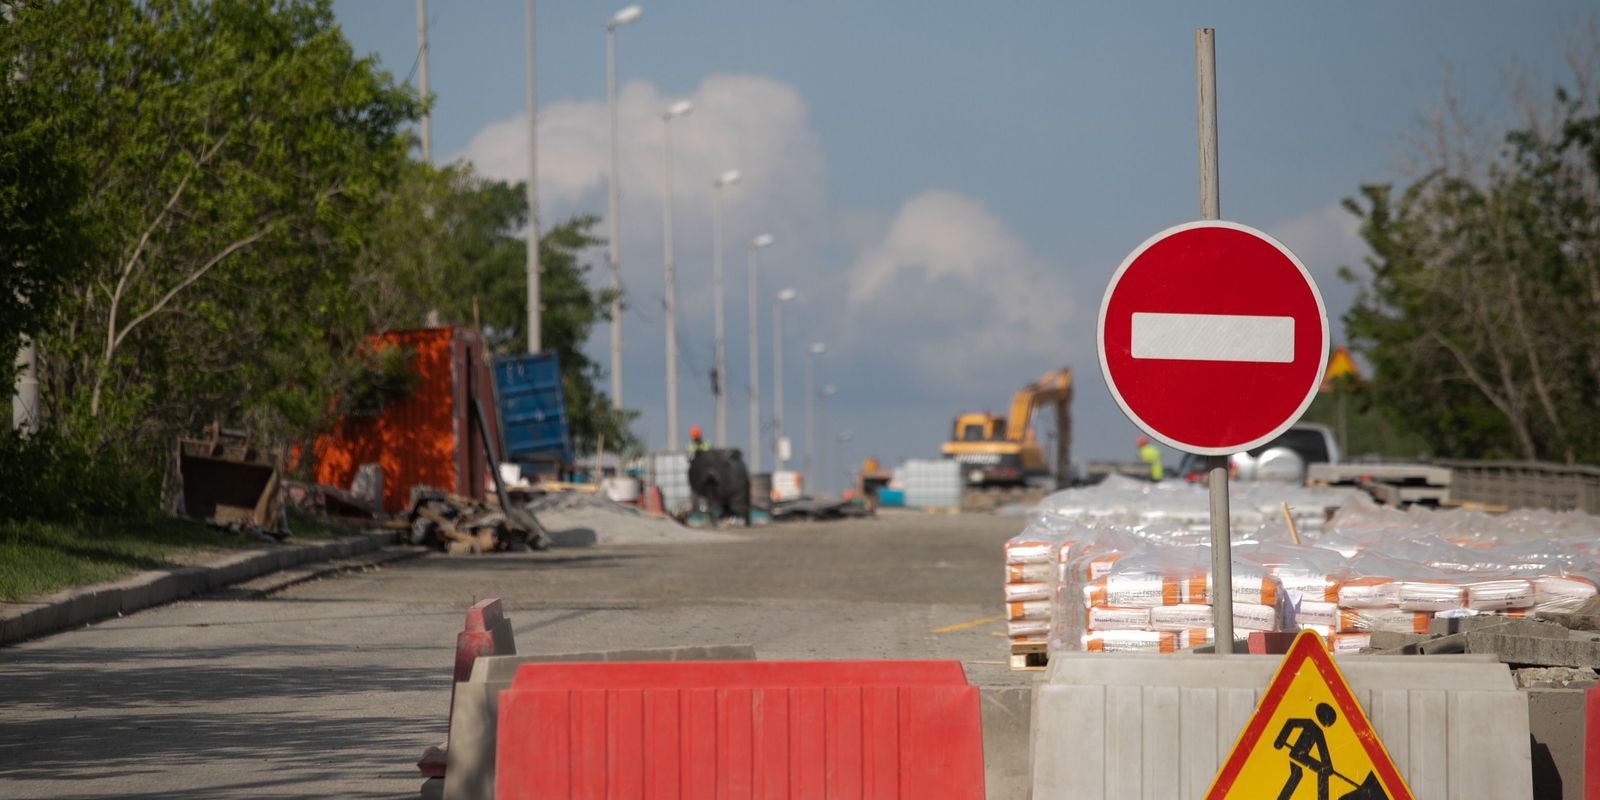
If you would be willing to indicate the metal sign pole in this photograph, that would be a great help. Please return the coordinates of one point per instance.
(1205, 61)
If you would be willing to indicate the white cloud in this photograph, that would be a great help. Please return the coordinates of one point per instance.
(962, 294)
(1325, 240)
(935, 306)
(750, 123)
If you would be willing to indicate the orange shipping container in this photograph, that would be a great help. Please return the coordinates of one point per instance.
(428, 438)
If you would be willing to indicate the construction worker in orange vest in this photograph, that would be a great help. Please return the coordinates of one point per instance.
(697, 444)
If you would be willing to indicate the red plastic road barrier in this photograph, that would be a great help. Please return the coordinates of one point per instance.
(769, 729)
(650, 500)
(487, 632)
(1591, 744)
(1275, 643)
(736, 674)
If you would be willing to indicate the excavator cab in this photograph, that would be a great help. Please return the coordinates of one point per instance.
(1003, 451)
(979, 428)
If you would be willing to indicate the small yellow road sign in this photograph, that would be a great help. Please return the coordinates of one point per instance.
(1309, 739)
(1340, 365)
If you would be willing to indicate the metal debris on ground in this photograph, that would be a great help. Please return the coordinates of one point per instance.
(224, 479)
(333, 503)
(461, 525)
(818, 509)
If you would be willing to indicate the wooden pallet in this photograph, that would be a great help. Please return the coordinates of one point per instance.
(1029, 655)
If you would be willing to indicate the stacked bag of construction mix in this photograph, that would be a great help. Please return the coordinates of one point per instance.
(1157, 599)
(1029, 584)
(1114, 581)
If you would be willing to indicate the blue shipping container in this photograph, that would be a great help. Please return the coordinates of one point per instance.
(533, 414)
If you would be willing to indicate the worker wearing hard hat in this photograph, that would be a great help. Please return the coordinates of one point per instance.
(697, 444)
(1150, 455)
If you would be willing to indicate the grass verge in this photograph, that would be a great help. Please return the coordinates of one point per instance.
(40, 557)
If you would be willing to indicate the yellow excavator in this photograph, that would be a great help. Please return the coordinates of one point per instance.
(1002, 451)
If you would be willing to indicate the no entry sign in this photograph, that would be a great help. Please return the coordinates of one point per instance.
(1213, 337)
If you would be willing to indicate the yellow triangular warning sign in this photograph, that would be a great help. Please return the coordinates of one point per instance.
(1309, 739)
(1340, 364)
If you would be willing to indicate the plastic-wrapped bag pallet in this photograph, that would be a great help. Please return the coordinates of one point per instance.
(1131, 572)
(932, 483)
(1030, 581)
(1155, 597)
(669, 472)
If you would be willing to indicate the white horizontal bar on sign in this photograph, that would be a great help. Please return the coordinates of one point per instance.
(1213, 337)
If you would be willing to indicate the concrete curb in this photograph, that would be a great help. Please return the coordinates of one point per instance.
(36, 616)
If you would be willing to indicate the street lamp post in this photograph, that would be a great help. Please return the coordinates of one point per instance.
(622, 17)
(727, 178)
(785, 296)
(843, 438)
(535, 320)
(669, 269)
(816, 349)
(824, 471)
(764, 240)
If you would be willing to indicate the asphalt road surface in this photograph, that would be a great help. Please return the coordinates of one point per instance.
(334, 687)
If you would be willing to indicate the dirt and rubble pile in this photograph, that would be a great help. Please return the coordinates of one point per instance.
(577, 519)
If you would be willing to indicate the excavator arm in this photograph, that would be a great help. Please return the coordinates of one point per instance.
(1054, 389)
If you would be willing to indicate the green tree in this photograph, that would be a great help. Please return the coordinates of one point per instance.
(455, 243)
(41, 232)
(233, 155)
(484, 234)
(1482, 313)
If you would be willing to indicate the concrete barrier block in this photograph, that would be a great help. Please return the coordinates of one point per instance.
(1113, 726)
(1440, 626)
(1572, 621)
(1535, 650)
(1390, 640)
(1489, 754)
(433, 789)
(1557, 723)
(1006, 712)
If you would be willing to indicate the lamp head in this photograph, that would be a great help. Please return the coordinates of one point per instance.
(624, 16)
(678, 109)
(764, 240)
(786, 295)
(728, 178)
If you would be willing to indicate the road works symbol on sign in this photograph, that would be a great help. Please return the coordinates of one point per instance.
(1213, 337)
(1309, 739)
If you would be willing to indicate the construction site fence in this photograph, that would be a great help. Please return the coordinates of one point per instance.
(1526, 484)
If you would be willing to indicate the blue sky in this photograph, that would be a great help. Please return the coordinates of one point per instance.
(951, 184)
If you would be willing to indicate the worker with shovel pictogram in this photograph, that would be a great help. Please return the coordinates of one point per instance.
(1309, 750)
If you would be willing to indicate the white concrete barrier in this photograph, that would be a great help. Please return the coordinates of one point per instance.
(1112, 727)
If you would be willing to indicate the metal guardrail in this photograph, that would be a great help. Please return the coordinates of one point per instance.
(1526, 484)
